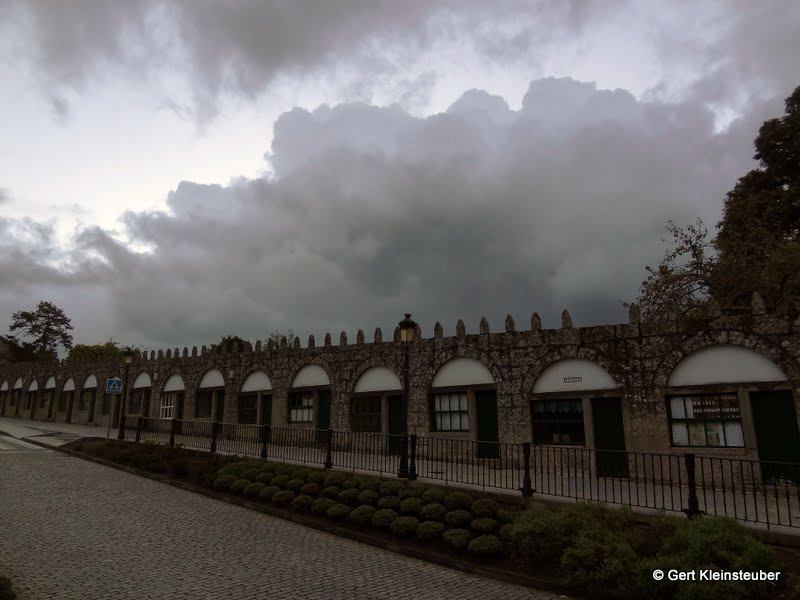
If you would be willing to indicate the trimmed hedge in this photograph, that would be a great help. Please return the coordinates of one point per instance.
(268, 492)
(254, 489)
(250, 474)
(405, 526)
(294, 484)
(331, 492)
(383, 519)
(458, 501)
(411, 506)
(349, 496)
(310, 489)
(505, 515)
(265, 477)
(486, 545)
(368, 497)
(338, 512)
(457, 539)
(280, 480)
(336, 478)
(363, 515)
(351, 484)
(283, 497)
(320, 506)
(269, 467)
(505, 532)
(317, 477)
(429, 530)
(370, 484)
(434, 496)
(433, 512)
(412, 490)
(484, 525)
(301, 474)
(224, 482)
(485, 507)
(391, 488)
(458, 518)
(302, 503)
(392, 502)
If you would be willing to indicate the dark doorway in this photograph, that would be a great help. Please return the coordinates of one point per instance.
(70, 402)
(775, 420)
(248, 409)
(609, 437)
(395, 430)
(487, 426)
(92, 400)
(219, 414)
(266, 409)
(323, 413)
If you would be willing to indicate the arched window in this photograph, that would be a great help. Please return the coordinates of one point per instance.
(378, 392)
(210, 397)
(255, 400)
(172, 398)
(310, 398)
(87, 399)
(140, 396)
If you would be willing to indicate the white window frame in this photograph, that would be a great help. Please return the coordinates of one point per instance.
(304, 414)
(167, 408)
(446, 424)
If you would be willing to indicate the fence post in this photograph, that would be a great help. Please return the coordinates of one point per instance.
(412, 457)
(264, 440)
(328, 450)
(139, 424)
(173, 427)
(527, 488)
(214, 431)
(691, 470)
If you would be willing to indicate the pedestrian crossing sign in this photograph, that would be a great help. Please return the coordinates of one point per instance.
(114, 385)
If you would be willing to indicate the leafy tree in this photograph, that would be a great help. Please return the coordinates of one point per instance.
(228, 341)
(43, 330)
(277, 335)
(95, 352)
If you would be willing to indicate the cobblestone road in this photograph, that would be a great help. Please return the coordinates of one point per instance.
(74, 529)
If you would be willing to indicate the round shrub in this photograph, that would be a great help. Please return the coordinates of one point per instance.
(268, 492)
(265, 477)
(253, 464)
(411, 506)
(280, 480)
(368, 497)
(391, 488)
(412, 490)
(429, 530)
(405, 526)
(505, 515)
(321, 505)
(237, 487)
(302, 503)
(505, 532)
(363, 515)
(234, 468)
(310, 489)
(458, 501)
(350, 484)
(224, 482)
(458, 539)
(433, 512)
(338, 512)
(434, 496)
(331, 492)
(373, 485)
(282, 497)
(336, 478)
(382, 519)
(178, 467)
(317, 477)
(349, 496)
(486, 545)
(283, 469)
(268, 467)
(458, 518)
(484, 525)
(250, 474)
(485, 507)
(294, 484)
(254, 489)
(300, 474)
(540, 534)
(392, 502)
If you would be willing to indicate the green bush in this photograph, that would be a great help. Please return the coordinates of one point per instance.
(600, 558)
(412, 490)
(336, 478)
(383, 518)
(178, 467)
(505, 515)
(321, 505)
(458, 539)
(269, 467)
(349, 496)
(331, 492)
(224, 482)
(265, 477)
(405, 526)
(458, 501)
(411, 506)
(338, 512)
(429, 530)
(234, 468)
(294, 484)
(434, 496)
(363, 515)
(370, 484)
(250, 474)
(350, 484)
(317, 477)
(254, 489)
(540, 534)
(391, 488)
(392, 502)
(300, 474)
(268, 492)
(486, 545)
(368, 497)
(484, 525)
(283, 497)
(505, 532)
(237, 487)
(485, 507)
(458, 518)
(302, 503)
(284, 469)
(433, 512)
(280, 480)
(310, 489)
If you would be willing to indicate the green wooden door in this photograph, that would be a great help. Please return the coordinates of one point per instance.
(92, 402)
(266, 409)
(778, 439)
(395, 424)
(220, 412)
(487, 425)
(323, 414)
(609, 437)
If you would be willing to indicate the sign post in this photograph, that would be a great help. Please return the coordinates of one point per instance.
(113, 386)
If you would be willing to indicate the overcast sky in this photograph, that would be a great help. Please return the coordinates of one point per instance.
(174, 171)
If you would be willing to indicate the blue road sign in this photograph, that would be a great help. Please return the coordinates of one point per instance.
(114, 385)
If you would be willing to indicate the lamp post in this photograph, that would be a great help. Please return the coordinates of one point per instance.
(127, 356)
(407, 330)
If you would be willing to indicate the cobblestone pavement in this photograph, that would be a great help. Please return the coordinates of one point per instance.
(76, 529)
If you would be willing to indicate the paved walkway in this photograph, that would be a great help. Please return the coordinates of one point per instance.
(73, 529)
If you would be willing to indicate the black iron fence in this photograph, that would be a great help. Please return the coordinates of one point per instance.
(748, 490)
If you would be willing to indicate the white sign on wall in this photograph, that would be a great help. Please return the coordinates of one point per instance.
(573, 379)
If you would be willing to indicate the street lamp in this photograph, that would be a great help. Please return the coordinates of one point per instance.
(407, 330)
(127, 357)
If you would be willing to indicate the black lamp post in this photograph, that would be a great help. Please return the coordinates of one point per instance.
(407, 330)
(127, 356)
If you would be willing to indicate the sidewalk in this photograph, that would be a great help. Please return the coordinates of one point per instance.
(52, 434)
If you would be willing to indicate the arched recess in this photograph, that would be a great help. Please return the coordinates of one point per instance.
(573, 375)
(172, 398)
(49, 396)
(30, 400)
(139, 403)
(16, 396)
(376, 405)
(3, 398)
(66, 399)
(210, 396)
(310, 399)
(255, 400)
(724, 395)
(87, 400)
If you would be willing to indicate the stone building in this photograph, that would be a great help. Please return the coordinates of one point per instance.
(725, 386)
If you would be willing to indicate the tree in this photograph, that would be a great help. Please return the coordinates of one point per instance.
(277, 335)
(228, 341)
(43, 330)
(95, 352)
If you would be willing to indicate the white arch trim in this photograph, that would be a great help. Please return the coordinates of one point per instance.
(573, 374)
(256, 382)
(34, 386)
(18, 383)
(378, 379)
(142, 381)
(724, 363)
(51, 383)
(69, 385)
(174, 384)
(91, 382)
(212, 378)
(4, 387)
(311, 375)
(462, 371)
